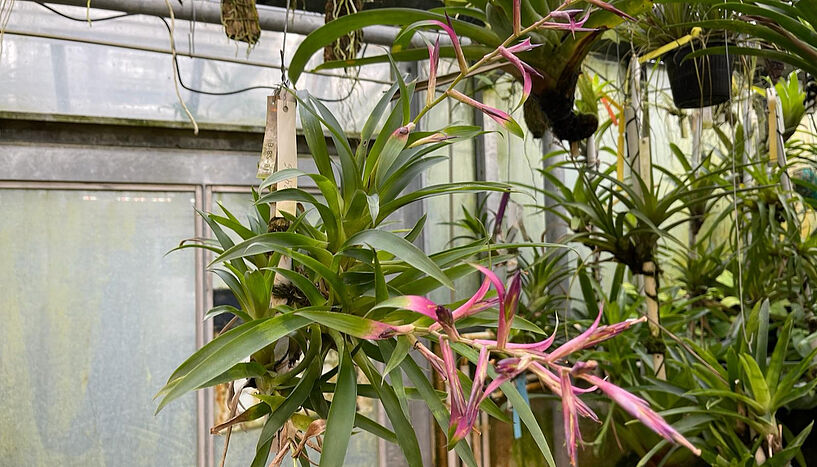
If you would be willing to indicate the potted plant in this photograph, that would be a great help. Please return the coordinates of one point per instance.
(697, 81)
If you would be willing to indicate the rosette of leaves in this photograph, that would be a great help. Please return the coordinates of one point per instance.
(486, 24)
(785, 28)
(342, 266)
(627, 220)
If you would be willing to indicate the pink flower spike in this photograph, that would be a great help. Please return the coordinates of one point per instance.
(508, 310)
(517, 17)
(450, 364)
(455, 41)
(433, 63)
(577, 343)
(606, 6)
(403, 132)
(433, 138)
(523, 46)
(479, 380)
(508, 369)
(380, 330)
(571, 25)
(604, 333)
(432, 358)
(414, 303)
(500, 288)
(555, 386)
(502, 118)
(524, 70)
(570, 415)
(463, 309)
(638, 408)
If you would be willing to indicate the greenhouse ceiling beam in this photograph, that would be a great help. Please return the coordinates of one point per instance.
(270, 18)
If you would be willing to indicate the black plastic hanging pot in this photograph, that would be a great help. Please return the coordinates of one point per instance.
(698, 82)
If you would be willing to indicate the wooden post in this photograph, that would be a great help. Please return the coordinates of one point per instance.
(651, 293)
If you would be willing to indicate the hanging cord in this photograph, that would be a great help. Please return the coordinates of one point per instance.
(5, 15)
(175, 62)
(191, 34)
(284, 81)
(93, 20)
(175, 57)
(737, 214)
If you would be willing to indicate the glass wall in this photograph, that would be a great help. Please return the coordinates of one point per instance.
(94, 319)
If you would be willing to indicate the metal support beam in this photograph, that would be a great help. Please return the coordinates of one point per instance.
(270, 18)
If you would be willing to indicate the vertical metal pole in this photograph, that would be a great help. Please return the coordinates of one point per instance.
(555, 227)
(203, 398)
(555, 231)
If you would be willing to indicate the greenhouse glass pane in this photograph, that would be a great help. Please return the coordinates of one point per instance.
(94, 319)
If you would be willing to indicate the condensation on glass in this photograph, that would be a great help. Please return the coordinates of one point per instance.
(94, 319)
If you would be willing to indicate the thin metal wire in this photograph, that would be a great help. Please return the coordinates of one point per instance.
(284, 81)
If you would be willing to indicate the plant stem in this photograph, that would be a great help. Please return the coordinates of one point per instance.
(485, 59)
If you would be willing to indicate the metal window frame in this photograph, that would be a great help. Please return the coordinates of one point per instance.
(199, 266)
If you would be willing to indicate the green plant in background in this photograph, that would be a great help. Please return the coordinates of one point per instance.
(556, 58)
(666, 22)
(786, 29)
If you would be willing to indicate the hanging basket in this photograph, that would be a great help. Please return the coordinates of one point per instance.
(240, 20)
(698, 82)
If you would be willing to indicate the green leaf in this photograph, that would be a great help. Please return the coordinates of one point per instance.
(438, 190)
(279, 242)
(315, 139)
(342, 411)
(348, 324)
(779, 355)
(400, 351)
(212, 360)
(381, 290)
(406, 438)
(372, 122)
(757, 382)
(365, 423)
(253, 413)
(330, 32)
(281, 414)
(762, 341)
(399, 247)
(238, 371)
(222, 309)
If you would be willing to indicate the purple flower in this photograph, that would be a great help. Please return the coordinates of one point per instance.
(572, 25)
(464, 415)
(433, 63)
(441, 314)
(554, 384)
(524, 69)
(611, 8)
(523, 46)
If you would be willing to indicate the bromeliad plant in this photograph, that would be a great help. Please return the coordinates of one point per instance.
(354, 289)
